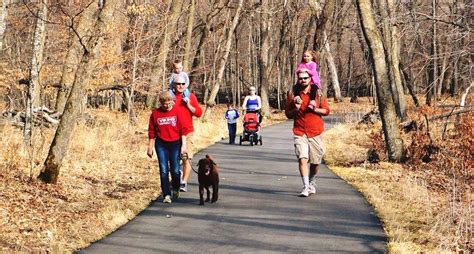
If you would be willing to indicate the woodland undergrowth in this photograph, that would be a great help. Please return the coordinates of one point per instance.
(425, 203)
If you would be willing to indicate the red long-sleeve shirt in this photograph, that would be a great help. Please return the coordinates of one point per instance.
(184, 113)
(306, 121)
(166, 125)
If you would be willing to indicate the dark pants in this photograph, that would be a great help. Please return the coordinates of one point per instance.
(168, 160)
(232, 130)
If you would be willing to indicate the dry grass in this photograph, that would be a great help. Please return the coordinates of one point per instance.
(105, 180)
(417, 217)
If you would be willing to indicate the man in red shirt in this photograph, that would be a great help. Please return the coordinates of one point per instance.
(307, 129)
(187, 108)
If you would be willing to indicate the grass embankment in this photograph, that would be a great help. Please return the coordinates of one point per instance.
(105, 180)
(424, 207)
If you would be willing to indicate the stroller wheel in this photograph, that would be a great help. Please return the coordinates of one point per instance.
(240, 140)
(251, 140)
(260, 140)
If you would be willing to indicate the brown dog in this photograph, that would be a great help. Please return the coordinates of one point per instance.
(208, 176)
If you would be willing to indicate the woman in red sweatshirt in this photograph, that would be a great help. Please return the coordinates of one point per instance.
(167, 133)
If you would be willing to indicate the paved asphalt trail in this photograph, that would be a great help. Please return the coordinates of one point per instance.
(258, 210)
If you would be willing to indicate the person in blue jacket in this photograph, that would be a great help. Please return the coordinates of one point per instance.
(231, 115)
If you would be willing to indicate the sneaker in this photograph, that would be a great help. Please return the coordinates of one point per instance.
(167, 199)
(312, 189)
(184, 187)
(305, 192)
(175, 194)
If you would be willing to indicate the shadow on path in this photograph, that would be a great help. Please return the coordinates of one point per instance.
(258, 210)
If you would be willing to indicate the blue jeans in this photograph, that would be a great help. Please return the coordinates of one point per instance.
(168, 160)
(232, 130)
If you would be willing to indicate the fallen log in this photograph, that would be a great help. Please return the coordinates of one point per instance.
(39, 118)
(456, 112)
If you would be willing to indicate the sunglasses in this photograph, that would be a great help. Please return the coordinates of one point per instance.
(303, 78)
(180, 84)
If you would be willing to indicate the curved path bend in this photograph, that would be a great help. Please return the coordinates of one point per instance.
(258, 210)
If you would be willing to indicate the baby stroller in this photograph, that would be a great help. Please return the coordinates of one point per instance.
(251, 129)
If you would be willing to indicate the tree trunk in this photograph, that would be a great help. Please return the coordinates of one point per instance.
(265, 22)
(159, 71)
(197, 74)
(332, 70)
(77, 35)
(322, 17)
(3, 18)
(444, 67)
(433, 66)
(189, 37)
(393, 140)
(60, 144)
(392, 51)
(215, 88)
(408, 83)
(34, 89)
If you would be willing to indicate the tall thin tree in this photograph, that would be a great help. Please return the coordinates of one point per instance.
(60, 144)
(211, 101)
(78, 32)
(393, 140)
(34, 88)
(3, 19)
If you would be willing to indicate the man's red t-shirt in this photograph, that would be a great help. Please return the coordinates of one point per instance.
(306, 121)
(166, 125)
(184, 113)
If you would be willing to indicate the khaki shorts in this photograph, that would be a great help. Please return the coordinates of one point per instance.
(309, 148)
(190, 145)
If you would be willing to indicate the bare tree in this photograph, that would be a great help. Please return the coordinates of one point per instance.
(78, 33)
(393, 140)
(60, 144)
(34, 88)
(433, 66)
(331, 64)
(265, 21)
(3, 18)
(223, 60)
(321, 42)
(158, 72)
(189, 36)
(391, 37)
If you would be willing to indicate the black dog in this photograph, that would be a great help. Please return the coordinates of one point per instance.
(208, 176)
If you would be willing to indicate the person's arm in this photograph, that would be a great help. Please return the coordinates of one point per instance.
(193, 106)
(236, 113)
(149, 150)
(259, 100)
(151, 136)
(323, 108)
(291, 108)
(312, 69)
(244, 104)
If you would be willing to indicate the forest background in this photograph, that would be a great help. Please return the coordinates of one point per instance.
(99, 64)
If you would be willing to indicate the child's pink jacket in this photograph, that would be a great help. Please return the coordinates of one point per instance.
(313, 71)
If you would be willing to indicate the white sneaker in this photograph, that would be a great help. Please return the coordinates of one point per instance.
(312, 189)
(305, 192)
(167, 199)
(183, 187)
